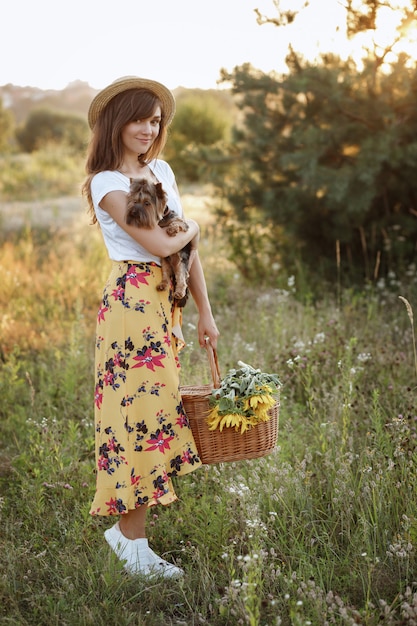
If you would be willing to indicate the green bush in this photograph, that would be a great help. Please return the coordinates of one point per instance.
(43, 127)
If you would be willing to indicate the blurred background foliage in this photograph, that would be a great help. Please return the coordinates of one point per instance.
(313, 169)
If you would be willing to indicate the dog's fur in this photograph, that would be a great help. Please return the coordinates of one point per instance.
(147, 208)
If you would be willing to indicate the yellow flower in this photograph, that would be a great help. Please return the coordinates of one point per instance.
(256, 409)
(259, 402)
(213, 418)
(230, 420)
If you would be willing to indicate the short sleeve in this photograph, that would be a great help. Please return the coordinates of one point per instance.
(105, 182)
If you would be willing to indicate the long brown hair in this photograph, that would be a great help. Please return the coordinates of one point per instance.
(105, 150)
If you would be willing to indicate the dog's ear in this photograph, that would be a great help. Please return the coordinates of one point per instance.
(160, 193)
(135, 185)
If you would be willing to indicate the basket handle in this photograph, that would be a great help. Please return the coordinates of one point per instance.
(213, 363)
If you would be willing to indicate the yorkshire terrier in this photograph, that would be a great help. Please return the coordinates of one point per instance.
(147, 207)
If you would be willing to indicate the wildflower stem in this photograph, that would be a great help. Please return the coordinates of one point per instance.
(411, 318)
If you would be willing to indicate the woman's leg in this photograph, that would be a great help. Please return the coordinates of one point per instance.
(128, 540)
(133, 523)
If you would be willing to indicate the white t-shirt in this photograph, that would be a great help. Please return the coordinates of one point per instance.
(121, 246)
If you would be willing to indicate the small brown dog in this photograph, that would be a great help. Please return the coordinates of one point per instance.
(147, 207)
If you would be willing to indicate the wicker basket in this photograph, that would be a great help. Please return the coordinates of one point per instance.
(228, 445)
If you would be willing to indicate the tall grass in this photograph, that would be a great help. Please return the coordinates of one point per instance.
(323, 531)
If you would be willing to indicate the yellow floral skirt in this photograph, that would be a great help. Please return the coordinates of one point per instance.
(143, 437)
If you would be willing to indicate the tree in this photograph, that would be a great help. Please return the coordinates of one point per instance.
(43, 126)
(202, 119)
(327, 158)
(6, 128)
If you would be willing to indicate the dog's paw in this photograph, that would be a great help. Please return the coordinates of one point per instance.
(171, 231)
(175, 227)
(162, 286)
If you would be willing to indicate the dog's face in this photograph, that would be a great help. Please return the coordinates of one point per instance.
(146, 203)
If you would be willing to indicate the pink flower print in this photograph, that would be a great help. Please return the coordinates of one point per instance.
(108, 378)
(182, 420)
(158, 494)
(135, 277)
(186, 457)
(158, 442)
(149, 360)
(98, 396)
(112, 506)
(96, 511)
(118, 293)
(103, 463)
(134, 479)
(100, 315)
(117, 359)
(167, 339)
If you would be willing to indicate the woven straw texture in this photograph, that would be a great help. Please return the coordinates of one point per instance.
(228, 445)
(104, 96)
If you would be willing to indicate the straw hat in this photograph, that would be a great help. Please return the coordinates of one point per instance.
(132, 82)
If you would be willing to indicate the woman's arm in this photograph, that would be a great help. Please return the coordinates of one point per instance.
(155, 240)
(197, 284)
(158, 243)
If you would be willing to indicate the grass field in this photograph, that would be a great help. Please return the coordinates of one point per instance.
(323, 531)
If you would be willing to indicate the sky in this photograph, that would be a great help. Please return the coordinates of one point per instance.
(51, 43)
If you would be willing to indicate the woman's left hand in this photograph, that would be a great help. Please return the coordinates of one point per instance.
(207, 330)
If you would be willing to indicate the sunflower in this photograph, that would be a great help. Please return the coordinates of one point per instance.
(243, 400)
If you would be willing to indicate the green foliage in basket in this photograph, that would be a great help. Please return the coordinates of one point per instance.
(243, 399)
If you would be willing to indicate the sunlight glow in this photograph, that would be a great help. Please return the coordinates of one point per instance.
(391, 37)
(313, 37)
(319, 27)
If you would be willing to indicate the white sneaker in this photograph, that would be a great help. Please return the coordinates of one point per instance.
(138, 557)
(168, 570)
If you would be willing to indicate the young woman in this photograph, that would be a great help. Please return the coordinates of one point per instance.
(143, 438)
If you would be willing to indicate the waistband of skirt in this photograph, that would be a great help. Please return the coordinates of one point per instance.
(141, 264)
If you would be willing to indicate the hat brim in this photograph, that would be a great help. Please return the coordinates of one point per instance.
(104, 96)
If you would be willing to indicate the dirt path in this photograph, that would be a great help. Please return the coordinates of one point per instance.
(56, 213)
